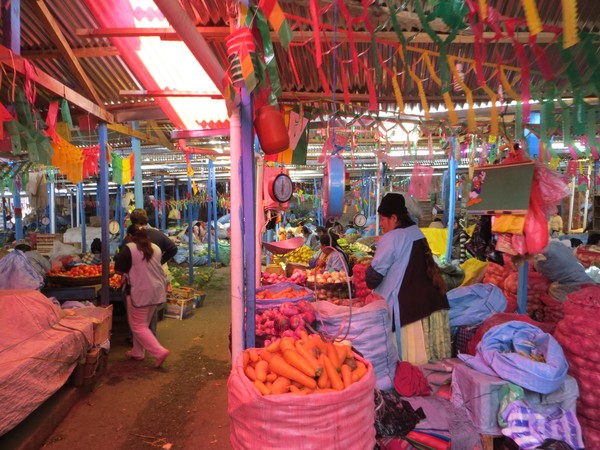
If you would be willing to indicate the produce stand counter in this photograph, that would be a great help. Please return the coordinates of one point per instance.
(77, 293)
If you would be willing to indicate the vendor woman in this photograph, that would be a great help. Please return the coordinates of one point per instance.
(404, 273)
(332, 256)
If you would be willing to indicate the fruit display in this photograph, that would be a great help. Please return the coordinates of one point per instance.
(180, 276)
(115, 281)
(302, 365)
(357, 247)
(286, 320)
(360, 284)
(298, 277)
(80, 271)
(328, 277)
(301, 255)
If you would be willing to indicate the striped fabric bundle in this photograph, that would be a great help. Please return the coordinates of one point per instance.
(530, 428)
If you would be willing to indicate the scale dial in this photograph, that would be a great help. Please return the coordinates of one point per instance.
(45, 220)
(334, 182)
(359, 220)
(114, 227)
(282, 188)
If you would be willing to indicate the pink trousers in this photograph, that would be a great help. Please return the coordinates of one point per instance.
(143, 339)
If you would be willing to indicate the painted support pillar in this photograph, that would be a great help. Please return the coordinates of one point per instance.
(248, 204)
(190, 213)
(259, 217)
(78, 200)
(237, 264)
(213, 197)
(104, 212)
(451, 201)
(136, 147)
(71, 210)
(586, 198)
(522, 288)
(81, 211)
(378, 194)
(209, 219)
(52, 203)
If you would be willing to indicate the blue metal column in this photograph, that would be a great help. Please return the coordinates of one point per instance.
(451, 201)
(190, 211)
(249, 222)
(177, 201)
(213, 194)
(136, 147)
(156, 204)
(98, 189)
(51, 202)
(522, 288)
(103, 194)
(163, 204)
(209, 218)
(81, 217)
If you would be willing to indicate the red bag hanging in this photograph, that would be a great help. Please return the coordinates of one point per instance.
(271, 130)
(420, 182)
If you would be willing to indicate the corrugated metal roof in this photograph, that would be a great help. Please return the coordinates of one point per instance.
(110, 74)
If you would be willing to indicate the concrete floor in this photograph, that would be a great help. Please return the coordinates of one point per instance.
(135, 406)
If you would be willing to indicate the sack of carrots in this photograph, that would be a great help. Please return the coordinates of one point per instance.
(285, 391)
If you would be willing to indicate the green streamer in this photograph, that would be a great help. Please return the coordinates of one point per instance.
(65, 113)
(547, 123)
(375, 59)
(589, 51)
(571, 68)
(519, 121)
(566, 119)
(268, 51)
(579, 119)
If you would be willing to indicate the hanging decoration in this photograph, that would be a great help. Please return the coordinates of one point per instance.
(69, 159)
(420, 182)
(122, 168)
(569, 23)
(241, 51)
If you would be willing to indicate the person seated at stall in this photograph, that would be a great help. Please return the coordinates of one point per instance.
(436, 223)
(94, 257)
(39, 262)
(332, 256)
(310, 239)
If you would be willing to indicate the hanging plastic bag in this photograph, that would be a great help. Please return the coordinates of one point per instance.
(536, 226)
(552, 187)
(508, 223)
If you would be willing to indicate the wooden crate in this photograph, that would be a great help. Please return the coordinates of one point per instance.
(44, 243)
(179, 309)
(101, 317)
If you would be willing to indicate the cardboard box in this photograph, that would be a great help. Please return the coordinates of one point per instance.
(88, 371)
(101, 317)
(179, 309)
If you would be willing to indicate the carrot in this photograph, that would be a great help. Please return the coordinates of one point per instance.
(281, 367)
(296, 360)
(346, 376)
(253, 355)
(286, 343)
(341, 352)
(333, 356)
(303, 335)
(318, 342)
(349, 352)
(350, 362)
(261, 387)
(302, 349)
(261, 369)
(245, 358)
(323, 381)
(359, 372)
(332, 374)
(294, 389)
(250, 373)
(281, 385)
(266, 355)
(274, 346)
(271, 376)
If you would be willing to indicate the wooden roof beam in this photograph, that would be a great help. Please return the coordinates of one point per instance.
(213, 34)
(128, 131)
(9, 59)
(64, 48)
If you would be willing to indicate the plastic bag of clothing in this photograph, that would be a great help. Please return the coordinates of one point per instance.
(16, 272)
(522, 354)
(472, 305)
(453, 275)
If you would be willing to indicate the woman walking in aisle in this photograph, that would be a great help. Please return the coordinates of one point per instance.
(140, 260)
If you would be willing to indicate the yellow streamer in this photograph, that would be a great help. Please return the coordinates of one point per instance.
(398, 94)
(570, 37)
(494, 127)
(482, 10)
(507, 87)
(452, 116)
(420, 87)
(532, 16)
(471, 120)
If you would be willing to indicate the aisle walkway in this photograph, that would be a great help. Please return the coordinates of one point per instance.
(181, 406)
